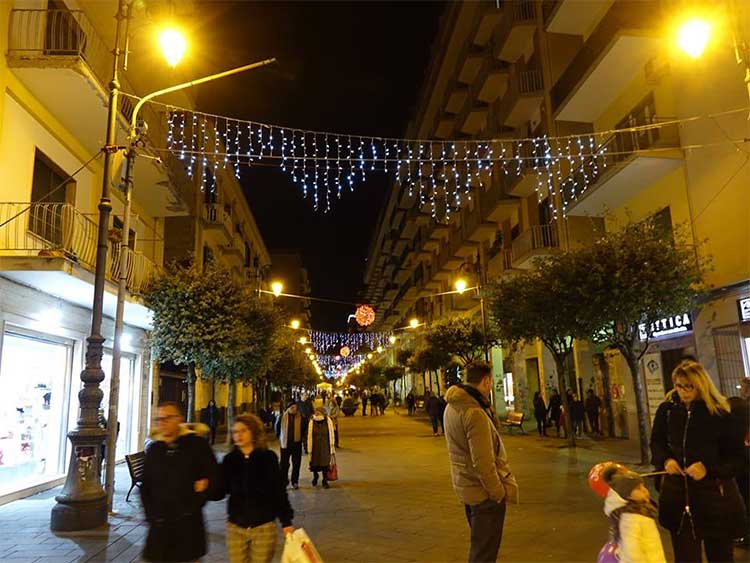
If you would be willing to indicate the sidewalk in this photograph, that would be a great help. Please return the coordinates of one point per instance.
(394, 502)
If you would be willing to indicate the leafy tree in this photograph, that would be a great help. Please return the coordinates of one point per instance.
(635, 276)
(457, 336)
(195, 318)
(543, 303)
(393, 374)
(429, 358)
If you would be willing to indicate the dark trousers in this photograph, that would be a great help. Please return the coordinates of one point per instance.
(486, 522)
(213, 435)
(305, 424)
(323, 470)
(541, 425)
(594, 421)
(687, 549)
(364, 408)
(435, 420)
(294, 451)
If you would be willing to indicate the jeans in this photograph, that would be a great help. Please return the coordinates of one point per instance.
(687, 549)
(594, 421)
(541, 425)
(295, 452)
(486, 521)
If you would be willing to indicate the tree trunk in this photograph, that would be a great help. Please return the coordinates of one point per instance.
(437, 380)
(424, 384)
(607, 397)
(644, 424)
(190, 393)
(561, 380)
(231, 397)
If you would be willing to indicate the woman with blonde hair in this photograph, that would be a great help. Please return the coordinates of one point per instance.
(696, 442)
(257, 494)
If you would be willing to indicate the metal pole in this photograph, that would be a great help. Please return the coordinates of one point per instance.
(114, 384)
(82, 503)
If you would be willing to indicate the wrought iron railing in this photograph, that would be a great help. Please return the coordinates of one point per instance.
(60, 230)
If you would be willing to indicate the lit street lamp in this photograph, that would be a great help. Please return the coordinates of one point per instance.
(277, 288)
(414, 323)
(295, 324)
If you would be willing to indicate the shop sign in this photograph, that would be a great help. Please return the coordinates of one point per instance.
(743, 306)
(676, 324)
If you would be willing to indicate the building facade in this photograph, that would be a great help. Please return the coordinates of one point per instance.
(528, 69)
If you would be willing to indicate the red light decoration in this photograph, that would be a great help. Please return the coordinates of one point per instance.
(365, 315)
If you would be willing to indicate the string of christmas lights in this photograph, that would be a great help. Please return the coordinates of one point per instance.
(441, 174)
(331, 343)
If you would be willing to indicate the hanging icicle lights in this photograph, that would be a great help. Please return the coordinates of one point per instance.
(442, 174)
(331, 343)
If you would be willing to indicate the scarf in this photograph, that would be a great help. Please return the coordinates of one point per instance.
(483, 403)
(643, 508)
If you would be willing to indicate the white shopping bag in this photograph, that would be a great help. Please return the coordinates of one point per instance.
(299, 548)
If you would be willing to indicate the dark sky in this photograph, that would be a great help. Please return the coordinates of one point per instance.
(349, 67)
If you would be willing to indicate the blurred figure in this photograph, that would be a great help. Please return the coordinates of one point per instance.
(289, 431)
(212, 419)
(593, 405)
(540, 413)
(411, 402)
(320, 444)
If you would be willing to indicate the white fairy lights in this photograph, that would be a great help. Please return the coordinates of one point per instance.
(439, 173)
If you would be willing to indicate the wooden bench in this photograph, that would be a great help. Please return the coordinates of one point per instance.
(514, 419)
(135, 463)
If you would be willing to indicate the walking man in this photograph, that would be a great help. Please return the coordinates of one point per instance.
(305, 409)
(479, 466)
(178, 472)
(593, 404)
(364, 403)
(289, 431)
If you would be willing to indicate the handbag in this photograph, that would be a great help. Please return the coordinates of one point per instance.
(299, 548)
(608, 553)
(333, 469)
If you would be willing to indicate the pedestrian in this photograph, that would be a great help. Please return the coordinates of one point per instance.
(257, 494)
(178, 473)
(593, 404)
(741, 413)
(555, 409)
(289, 431)
(696, 441)
(364, 403)
(632, 518)
(212, 419)
(434, 410)
(332, 410)
(540, 413)
(577, 413)
(320, 443)
(305, 409)
(480, 473)
(339, 400)
(374, 403)
(382, 403)
(410, 403)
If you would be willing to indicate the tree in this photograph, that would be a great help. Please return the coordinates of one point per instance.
(543, 303)
(457, 336)
(393, 374)
(195, 318)
(634, 277)
(429, 358)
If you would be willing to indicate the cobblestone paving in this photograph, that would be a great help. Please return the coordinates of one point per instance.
(393, 502)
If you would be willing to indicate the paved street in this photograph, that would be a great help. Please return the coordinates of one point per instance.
(393, 502)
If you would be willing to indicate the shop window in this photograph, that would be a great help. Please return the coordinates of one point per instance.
(34, 376)
(127, 403)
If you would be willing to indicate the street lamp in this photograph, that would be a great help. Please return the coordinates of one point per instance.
(173, 45)
(392, 339)
(295, 324)
(460, 285)
(693, 36)
(303, 340)
(414, 323)
(276, 288)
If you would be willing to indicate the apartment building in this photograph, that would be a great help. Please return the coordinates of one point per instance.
(523, 68)
(287, 267)
(55, 67)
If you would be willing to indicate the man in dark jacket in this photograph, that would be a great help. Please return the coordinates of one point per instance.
(178, 471)
(305, 409)
(593, 404)
(434, 408)
(289, 432)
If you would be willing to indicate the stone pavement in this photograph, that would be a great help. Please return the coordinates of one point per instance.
(393, 502)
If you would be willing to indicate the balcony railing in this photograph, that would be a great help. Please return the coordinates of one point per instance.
(60, 230)
(530, 82)
(217, 215)
(538, 237)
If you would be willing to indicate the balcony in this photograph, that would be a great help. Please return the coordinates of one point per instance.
(617, 50)
(632, 161)
(473, 227)
(515, 34)
(445, 124)
(455, 97)
(61, 48)
(235, 250)
(572, 17)
(492, 80)
(488, 21)
(496, 206)
(216, 217)
(534, 244)
(52, 247)
(523, 175)
(523, 98)
(500, 262)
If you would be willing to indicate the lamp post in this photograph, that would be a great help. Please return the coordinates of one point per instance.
(134, 140)
(81, 505)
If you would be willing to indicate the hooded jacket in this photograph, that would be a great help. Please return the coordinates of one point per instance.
(479, 464)
(639, 539)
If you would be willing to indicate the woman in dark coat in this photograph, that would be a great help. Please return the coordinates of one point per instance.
(212, 416)
(540, 413)
(320, 443)
(695, 441)
(555, 409)
(257, 494)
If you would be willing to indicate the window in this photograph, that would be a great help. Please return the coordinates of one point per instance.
(663, 223)
(208, 255)
(545, 214)
(51, 190)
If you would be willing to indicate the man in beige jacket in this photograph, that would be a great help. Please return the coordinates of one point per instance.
(479, 467)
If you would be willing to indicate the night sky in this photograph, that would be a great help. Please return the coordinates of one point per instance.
(348, 67)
